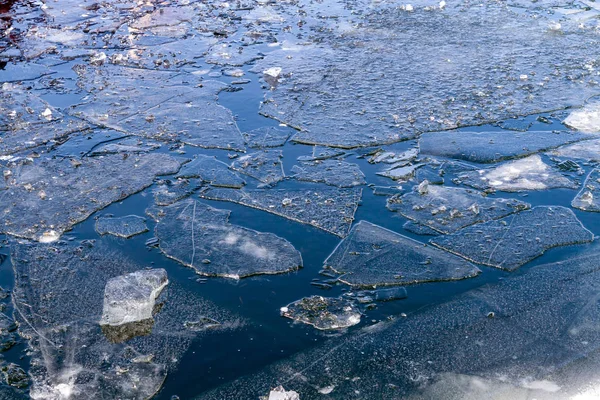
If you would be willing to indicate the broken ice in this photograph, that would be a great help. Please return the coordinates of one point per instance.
(331, 172)
(126, 227)
(323, 313)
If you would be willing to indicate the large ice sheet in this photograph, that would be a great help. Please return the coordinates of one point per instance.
(372, 256)
(513, 241)
(530, 173)
(330, 209)
(200, 237)
(588, 199)
(448, 209)
(331, 172)
(48, 196)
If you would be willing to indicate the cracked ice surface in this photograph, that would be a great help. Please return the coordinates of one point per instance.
(200, 237)
(264, 166)
(125, 227)
(513, 241)
(330, 209)
(46, 197)
(448, 209)
(372, 256)
(530, 173)
(588, 199)
(330, 172)
(211, 171)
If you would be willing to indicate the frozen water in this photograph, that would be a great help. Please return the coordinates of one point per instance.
(46, 197)
(169, 192)
(322, 153)
(586, 119)
(132, 297)
(130, 146)
(264, 166)
(267, 136)
(390, 157)
(487, 147)
(448, 209)
(373, 256)
(200, 237)
(513, 241)
(330, 172)
(586, 150)
(588, 199)
(279, 393)
(429, 174)
(330, 209)
(401, 174)
(530, 173)
(125, 227)
(211, 171)
(323, 313)
(419, 229)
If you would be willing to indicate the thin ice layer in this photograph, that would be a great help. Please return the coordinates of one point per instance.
(126, 227)
(200, 237)
(513, 241)
(488, 147)
(588, 199)
(211, 171)
(48, 196)
(373, 256)
(324, 313)
(267, 136)
(448, 209)
(535, 331)
(330, 209)
(530, 173)
(264, 166)
(59, 301)
(330, 172)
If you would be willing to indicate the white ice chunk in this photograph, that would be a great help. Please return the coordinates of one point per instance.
(279, 393)
(586, 119)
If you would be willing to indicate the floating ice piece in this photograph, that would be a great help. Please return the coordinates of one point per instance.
(400, 173)
(385, 294)
(529, 173)
(322, 153)
(448, 209)
(433, 176)
(390, 157)
(200, 237)
(324, 313)
(171, 192)
(586, 120)
(331, 172)
(586, 150)
(330, 209)
(125, 227)
(211, 171)
(267, 136)
(373, 256)
(129, 146)
(264, 166)
(279, 393)
(516, 124)
(47, 197)
(588, 199)
(132, 297)
(513, 241)
(488, 147)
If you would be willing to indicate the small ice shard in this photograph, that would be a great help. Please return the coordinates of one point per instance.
(330, 172)
(125, 227)
(267, 136)
(588, 199)
(513, 241)
(400, 173)
(586, 119)
(448, 209)
(211, 171)
(132, 297)
(200, 237)
(264, 166)
(330, 209)
(279, 393)
(324, 313)
(390, 157)
(529, 173)
(373, 256)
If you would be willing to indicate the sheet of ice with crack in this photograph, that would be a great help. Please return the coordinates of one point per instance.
(26, 121)
(530, 173)
(511, 242)
(343, 88)
(200, 237)
(329, 209)
(159, 106)
(372, 256)
(211, 171)
(330, 172)
(324, 313)
(46, 197)
(488, 147)
(71, 355)
(125, 227)
(169, 192)
(588, 199)
(264, 166)
(266, 136)
(535, 331)
(448, 209)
